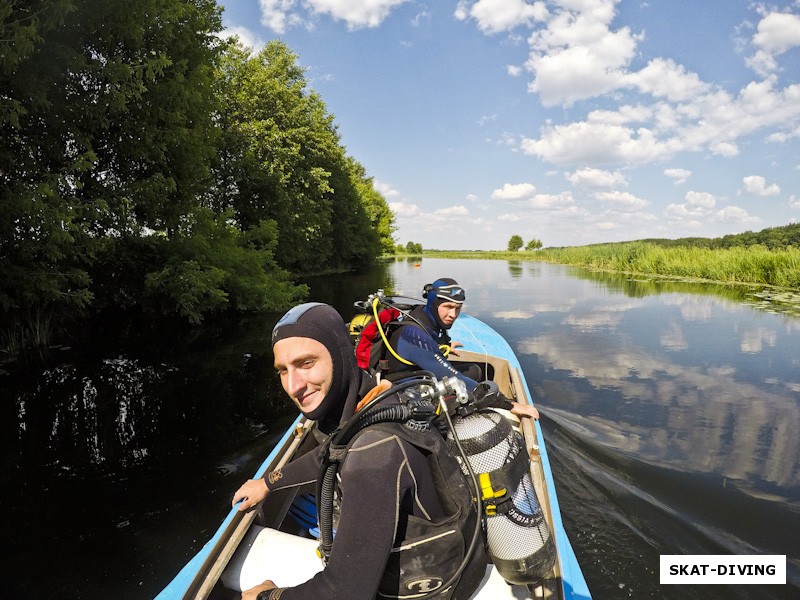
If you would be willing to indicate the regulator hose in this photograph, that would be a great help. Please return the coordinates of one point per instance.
(335, 447)
(333, 450)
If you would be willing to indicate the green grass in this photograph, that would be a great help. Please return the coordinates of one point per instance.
(754, 264)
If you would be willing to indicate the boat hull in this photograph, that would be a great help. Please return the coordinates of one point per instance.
(205, 573)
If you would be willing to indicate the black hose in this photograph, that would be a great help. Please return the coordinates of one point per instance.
(394, 413)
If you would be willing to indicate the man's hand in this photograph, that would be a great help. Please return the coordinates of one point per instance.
(453, 346)
(251, 493)
(253, 592)
(524, 410)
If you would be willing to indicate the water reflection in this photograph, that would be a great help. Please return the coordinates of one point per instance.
(689, 382)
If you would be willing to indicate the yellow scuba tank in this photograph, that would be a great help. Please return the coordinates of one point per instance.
(519, 540)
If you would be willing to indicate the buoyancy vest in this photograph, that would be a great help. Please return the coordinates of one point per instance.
(370, 345)
(371, 351)
(427, 553)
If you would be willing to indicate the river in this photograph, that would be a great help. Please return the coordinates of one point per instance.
(671, 413)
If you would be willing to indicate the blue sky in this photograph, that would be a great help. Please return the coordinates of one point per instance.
(568, 121)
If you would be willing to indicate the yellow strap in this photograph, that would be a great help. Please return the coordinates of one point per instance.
(383, 335)
(489, 494)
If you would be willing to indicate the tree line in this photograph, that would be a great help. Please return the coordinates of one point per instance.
(147, 163)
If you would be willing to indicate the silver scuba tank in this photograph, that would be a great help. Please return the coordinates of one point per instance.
(519, 540)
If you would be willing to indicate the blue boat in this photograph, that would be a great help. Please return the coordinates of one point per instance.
(280, 534)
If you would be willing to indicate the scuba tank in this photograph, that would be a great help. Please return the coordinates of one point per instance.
(518, 538)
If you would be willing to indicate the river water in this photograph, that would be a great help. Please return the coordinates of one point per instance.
(671, 413)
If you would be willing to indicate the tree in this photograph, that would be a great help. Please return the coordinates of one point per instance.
(281, 159)
(413, 248)
(105, 118)
(534, 244)
(515, 243)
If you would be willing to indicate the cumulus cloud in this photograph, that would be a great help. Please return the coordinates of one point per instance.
(514, 191)
(279, 15)
(755, 185)
(622, 200)
(577, 55)
(494, 16)
(713, 122)
(247, 37)
(509, 218)
(702, 200)
(777, 32)
(452, 211)
(735, 214)
(663, 109)
(663, 78)
(550, 201)
(402, 209)
(386, 190)
(514, 70)
(589, 178)
(678, 176)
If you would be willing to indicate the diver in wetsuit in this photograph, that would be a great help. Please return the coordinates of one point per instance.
(394, 485)
(423, 334)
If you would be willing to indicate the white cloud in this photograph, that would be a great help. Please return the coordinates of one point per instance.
(794, 202)
(606, 225)
(472, 198)
(664, 78)
(736, 214)
(756, 185)
(678, 175)
(777, 33)
(514, 70)
(246, 37)
(550, 201)
(701, 200)
(386, 190)
(356, 13)
(576, 55)
(279, 15)
(452, 211)
(494, 16)
(596, 143)
(713, 122)
(622, 200)
(509, 218)
(402, 209)
(589, 178)
(514, 191)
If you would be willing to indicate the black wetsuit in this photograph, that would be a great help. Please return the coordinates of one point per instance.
(418, 341)
(386, 485)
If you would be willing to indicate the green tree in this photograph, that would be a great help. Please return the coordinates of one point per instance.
(105, 117)
(515, 243)
(281, 159)
(213, 266)
(534, 244)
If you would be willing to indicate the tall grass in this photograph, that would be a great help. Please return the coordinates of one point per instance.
(752, 264)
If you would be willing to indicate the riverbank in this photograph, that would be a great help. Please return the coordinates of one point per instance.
(752, 265)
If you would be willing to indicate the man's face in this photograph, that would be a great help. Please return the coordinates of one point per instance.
(448, 312)
(306, 370)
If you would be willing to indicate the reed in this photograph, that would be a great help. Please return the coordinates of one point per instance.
(755, 264)
(752, 264)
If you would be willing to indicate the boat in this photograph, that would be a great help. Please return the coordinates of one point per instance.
(286, 520)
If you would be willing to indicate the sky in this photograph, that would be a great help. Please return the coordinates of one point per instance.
(567, 121)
